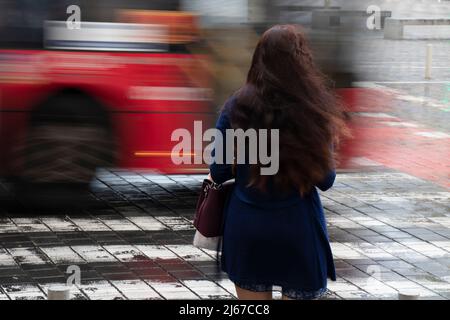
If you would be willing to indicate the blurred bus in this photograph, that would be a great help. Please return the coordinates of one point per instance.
(109, 94)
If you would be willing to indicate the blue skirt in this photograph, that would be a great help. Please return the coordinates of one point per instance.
(277, 245)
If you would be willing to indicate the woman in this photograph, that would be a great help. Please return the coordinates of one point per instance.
(275, 231)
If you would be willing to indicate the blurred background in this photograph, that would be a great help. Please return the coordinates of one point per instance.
(111, 93)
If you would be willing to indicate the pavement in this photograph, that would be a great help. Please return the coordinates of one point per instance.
(400, 131)
(389, 232)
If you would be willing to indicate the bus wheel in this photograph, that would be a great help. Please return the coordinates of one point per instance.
(65, 153)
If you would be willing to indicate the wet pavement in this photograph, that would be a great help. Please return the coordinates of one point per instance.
(394, 130)
(389, 232)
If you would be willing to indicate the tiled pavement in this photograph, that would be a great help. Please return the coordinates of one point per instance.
(389, 231)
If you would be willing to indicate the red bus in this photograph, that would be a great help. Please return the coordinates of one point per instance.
(108, 94)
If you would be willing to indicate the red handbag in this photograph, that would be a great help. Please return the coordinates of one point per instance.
(209, 214)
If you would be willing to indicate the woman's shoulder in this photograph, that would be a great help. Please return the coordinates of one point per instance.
(224, 121)
(229, 104)
(226, 110)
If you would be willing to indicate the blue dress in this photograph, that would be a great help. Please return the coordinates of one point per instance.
(273, 238)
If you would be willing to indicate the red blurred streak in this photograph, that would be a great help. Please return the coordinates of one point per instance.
(399, 148)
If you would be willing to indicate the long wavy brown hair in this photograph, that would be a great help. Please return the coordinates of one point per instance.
(286, 91)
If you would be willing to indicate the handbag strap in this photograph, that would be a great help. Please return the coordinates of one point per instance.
(208, 184)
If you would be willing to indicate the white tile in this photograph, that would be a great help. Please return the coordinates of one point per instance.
(136, 289)
(90, 224)
(120, 225)
(27, 256)
(94, 254)
(62, 255)
(341, 286)
(190, 253)
(123, 253)
(147, 223)
(156, 252)
(100, 290)
(59, 224)
(6, 259)
(173, 291)
(24, 292)
(206, 289)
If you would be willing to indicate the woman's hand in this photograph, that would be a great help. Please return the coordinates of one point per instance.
(210, 177)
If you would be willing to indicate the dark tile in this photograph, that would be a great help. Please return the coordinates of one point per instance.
(120, 276)
(151, 272)
(52, 280)
(11, 271)
(45, 273)
(15, 279)
(188, 275)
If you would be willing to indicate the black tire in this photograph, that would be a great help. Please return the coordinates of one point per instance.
(68, 139)
(62, 153)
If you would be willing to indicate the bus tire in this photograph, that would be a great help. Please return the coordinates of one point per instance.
(68, 139)
(62, 153)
